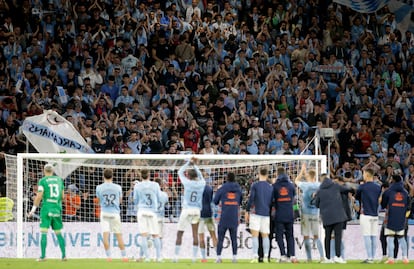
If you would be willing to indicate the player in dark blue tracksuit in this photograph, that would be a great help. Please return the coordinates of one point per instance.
(230, 197)
(396, 201)
(283, 198)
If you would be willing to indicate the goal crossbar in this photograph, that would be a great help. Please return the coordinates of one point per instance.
(145, 161)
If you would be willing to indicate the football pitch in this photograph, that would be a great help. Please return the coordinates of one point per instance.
(242, 264)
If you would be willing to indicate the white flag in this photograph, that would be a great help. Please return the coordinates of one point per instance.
(52, 133)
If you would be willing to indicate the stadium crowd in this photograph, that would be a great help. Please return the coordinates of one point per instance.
(214, 77)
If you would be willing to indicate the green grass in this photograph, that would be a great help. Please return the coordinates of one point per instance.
(117, 264)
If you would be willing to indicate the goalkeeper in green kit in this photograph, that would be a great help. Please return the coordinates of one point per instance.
(51, 191)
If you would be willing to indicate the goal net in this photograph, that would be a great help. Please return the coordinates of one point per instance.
(82, 173)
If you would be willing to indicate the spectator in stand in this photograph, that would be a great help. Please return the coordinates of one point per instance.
(192, 138)
(402, 148)
(71, 204)
(124, 98)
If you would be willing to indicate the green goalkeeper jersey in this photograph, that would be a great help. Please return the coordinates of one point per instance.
(52, 188)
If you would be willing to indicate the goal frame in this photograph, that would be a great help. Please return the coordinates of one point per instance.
(22, 156)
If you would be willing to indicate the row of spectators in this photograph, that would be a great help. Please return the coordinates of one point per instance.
(213, 77)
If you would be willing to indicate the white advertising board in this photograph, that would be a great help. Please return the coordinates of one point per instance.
(84, 240)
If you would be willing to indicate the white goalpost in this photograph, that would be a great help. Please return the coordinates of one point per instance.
(83, 172)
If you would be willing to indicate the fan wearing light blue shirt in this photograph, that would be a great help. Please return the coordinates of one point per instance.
(193, 183)
(146, 197)
(109, 195)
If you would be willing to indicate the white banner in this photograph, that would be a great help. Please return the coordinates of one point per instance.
(52, 133)
(84, 240)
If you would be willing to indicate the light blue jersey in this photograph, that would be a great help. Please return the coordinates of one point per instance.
(163, 200)
(109, 195)
(308, 189)
(146, 195)
(193, 189)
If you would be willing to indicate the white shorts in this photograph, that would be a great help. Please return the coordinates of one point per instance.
(260, 223)
(310, 225)
(147, 222)
(110, 222)
(206, 223)
(188, 216)
(369, 225)
(160, 226)
(392, 232)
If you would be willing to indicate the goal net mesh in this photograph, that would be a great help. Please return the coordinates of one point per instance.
(82, 174)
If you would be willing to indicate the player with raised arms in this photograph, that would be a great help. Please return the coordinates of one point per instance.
(310, 223)
(194, 184)
(109, 196)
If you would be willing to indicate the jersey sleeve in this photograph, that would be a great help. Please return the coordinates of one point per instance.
(40, 186)
(251, 197)
(239, 190)
(217, 196)
(98, 192)
(184, 179)
(136, 195)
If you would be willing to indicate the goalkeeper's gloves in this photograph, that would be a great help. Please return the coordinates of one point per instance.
(31, 213)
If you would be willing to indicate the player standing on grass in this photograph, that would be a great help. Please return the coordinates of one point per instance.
(230, 196)
(109, 196)
(368, 196)
(163, 200)
(147, 196)
(395, 200)
(329, 201)
(309, 212)
(283, 197)
(206, 222)
(193, 184)
(51, 191)
(259, 222)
